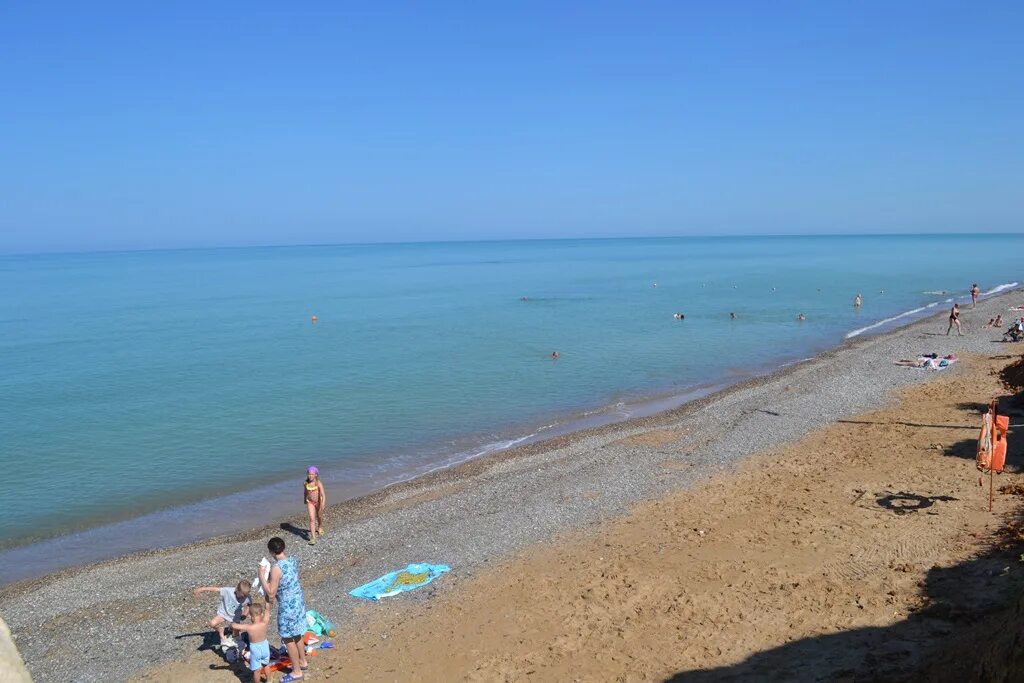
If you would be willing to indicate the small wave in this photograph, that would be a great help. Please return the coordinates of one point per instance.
(1000, 288)
(459, 458)
(935, 291)
(502, 445)
(886, 321)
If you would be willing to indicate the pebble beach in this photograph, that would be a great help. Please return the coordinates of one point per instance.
(131, 616)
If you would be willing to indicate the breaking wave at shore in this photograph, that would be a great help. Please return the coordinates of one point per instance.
(917, 312)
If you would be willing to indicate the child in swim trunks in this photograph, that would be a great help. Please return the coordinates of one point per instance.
(259, 646)
(231, 607)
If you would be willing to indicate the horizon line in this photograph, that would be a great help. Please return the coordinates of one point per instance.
(307, 245)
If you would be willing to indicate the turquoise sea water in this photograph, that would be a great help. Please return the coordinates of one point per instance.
(148, 385)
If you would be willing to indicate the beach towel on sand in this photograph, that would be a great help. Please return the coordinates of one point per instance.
(938, 363)
(393, 583)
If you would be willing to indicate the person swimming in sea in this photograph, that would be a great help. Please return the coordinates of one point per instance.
(801, 317)
(554, 355)
(732, 316)
(856, 301)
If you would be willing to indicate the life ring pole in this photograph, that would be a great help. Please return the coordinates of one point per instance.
(991, 467)
(991, 486)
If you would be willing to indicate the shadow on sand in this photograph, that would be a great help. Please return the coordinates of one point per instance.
(295, 531)
(965, 628)
(208, 642)
(942, 641)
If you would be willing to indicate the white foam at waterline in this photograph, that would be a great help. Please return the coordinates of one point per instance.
(1000, 288)
(904, 314)
(460, 458)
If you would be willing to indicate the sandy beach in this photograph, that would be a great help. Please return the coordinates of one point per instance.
(757, 530)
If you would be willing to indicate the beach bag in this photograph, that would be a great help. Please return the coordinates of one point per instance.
(319, 624)
(232, 655)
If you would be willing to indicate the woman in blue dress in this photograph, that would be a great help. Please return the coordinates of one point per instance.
(283, 586)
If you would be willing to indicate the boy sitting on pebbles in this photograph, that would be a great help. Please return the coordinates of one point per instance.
(231, 608)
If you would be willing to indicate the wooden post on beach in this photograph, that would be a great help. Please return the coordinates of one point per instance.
(991, 485)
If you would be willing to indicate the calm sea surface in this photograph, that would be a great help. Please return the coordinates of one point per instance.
(147, 386)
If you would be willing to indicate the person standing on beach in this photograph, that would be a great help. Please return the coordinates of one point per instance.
(259, 646)
(974, 294)
(315, 496)
(954, 319)
(282, 585)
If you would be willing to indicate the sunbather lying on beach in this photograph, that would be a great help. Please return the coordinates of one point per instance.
(931, 362)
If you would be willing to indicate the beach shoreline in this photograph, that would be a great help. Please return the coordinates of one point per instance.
(865, 550)
(460, 514)
(66, 552)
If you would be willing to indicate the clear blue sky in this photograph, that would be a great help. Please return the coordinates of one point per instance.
(139, 125)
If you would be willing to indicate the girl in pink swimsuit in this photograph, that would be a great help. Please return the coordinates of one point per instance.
(315, 496)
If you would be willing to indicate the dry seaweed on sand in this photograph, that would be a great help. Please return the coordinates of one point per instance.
(1013, 533)
(1012, 376)
(1012, 489)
